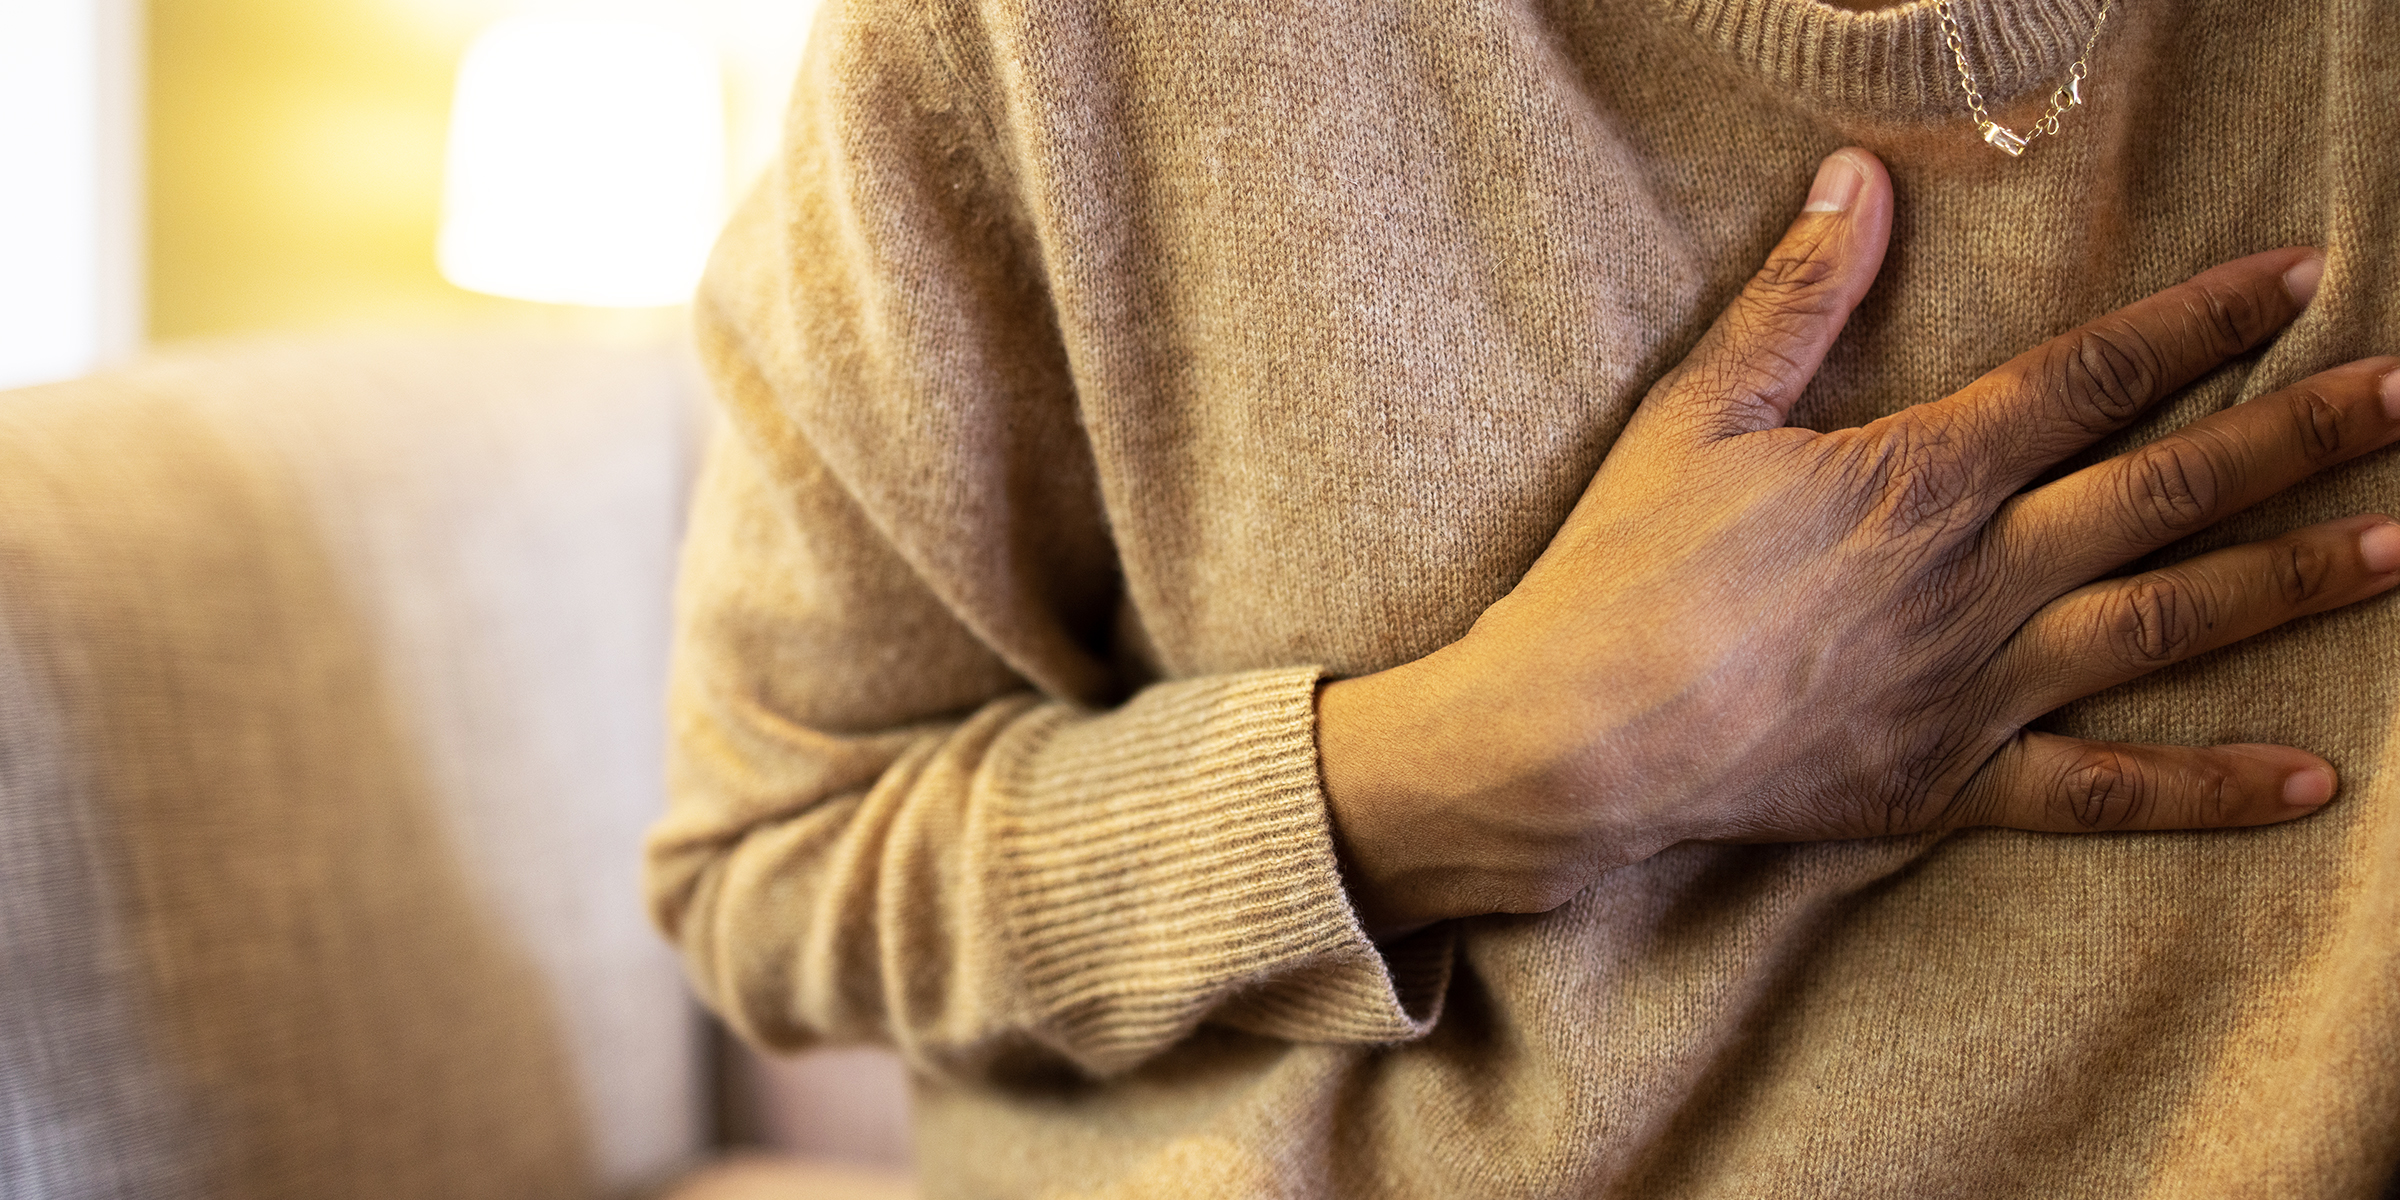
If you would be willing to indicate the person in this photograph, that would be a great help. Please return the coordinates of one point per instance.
(1286, 609)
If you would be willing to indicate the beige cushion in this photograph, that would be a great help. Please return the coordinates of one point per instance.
(328, 730)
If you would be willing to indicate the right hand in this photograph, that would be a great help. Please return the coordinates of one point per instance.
(1752, 632)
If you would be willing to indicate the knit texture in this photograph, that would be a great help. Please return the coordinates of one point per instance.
(1101, 375)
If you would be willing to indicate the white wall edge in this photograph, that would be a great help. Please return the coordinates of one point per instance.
(124, 294)
(72, 210)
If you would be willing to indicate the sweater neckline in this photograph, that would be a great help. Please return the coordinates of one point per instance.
(1894, 61)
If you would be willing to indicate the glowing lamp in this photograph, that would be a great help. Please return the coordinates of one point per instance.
(586, 163)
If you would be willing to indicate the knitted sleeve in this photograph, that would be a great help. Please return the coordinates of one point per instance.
(912, 799)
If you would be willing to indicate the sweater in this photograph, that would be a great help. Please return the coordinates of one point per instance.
(1102, 376)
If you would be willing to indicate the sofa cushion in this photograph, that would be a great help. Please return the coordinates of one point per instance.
(329, 726)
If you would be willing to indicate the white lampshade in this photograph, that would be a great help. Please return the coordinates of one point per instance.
(587, 163)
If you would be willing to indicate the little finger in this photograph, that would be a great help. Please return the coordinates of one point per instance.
(2054, 784)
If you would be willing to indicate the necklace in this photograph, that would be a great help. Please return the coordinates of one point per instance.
(2068, 95)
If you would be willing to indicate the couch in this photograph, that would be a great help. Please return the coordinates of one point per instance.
(329, 726)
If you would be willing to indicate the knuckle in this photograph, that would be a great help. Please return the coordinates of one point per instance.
(1925, 787)
(1730, 387)
(1948, 592)
(1796, 275)
(2103, 788)
(2157, 619)
(1904, 809)
(2316, 425)
(2108, 374)
(1921, 495)
(2217, 801)
(2301, 571)
(2225, 316)
(2175, 484)
(1921, 481)
(1907, 799)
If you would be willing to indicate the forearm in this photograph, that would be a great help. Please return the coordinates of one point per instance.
(847, 858)
(1037, 879)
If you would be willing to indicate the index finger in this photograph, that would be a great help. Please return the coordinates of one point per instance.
(2072, 390)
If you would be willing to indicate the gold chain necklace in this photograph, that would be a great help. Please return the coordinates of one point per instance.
(2068, 95)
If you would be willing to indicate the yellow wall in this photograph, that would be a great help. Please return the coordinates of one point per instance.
(295, 166)
(295, 151)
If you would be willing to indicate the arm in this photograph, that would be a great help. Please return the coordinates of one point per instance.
(905, 811)
(903, 808)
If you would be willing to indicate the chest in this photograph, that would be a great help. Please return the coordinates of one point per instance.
(1355, 316)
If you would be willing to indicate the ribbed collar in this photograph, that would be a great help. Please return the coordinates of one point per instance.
(1894, 61)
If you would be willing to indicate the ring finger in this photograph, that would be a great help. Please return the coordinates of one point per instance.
(2114, 630)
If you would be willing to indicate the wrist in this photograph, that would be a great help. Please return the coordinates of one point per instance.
(1375, 801)
(1445, 802)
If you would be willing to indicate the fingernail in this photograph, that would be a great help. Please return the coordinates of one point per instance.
(2301, 278)
(2388, 390)
(1838, 181)
(2379, 548)
(2307, 789)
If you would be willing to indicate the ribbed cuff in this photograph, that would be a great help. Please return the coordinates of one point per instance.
(1173, 857)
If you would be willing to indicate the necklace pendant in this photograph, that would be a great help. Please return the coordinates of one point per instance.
(2001, 136)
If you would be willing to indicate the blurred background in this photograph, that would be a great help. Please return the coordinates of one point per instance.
(271, 178)
(180, 169)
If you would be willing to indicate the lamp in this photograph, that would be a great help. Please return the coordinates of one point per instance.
(586, 162)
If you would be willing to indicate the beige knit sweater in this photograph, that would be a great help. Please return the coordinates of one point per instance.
(1102, 374)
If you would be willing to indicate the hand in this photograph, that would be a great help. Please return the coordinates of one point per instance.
(1750, 632)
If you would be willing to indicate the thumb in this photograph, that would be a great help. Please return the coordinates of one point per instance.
(1766, 346)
